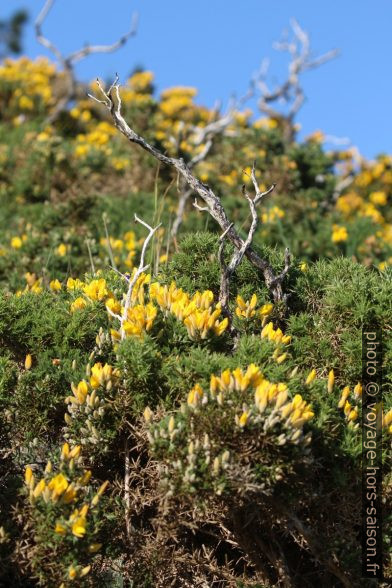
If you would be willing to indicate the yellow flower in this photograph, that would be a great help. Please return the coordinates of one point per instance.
(74, 284)
(195, 395)
(266, 309)
(78, 304)
(303, 266)
(331, 381)
(84, 480)
(84, 571)
(65, 451)
(103, 487)
(379, 198)
(100, 374)
(140, 81)
(80, 392)
(62, 250)
(171, 425)
(40, 487)
(28, 475)
(147, 414)
(55, 285)
(28, 361)
(311, 377)
(246, 309)
(94, 547)
(26, 103)
(60, 529)
(113, 305)
(344, 396)
(339, 234)
(79, 527)
(72, 573)
(96, 289)
(58, 485)
(16, 242)
(358, 390)
(243, 419)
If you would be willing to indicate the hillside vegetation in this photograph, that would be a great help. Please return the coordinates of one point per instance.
(159, 439)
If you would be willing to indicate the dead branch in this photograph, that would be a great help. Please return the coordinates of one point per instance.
(213, 202)
(229, 269)
(290, 91)
(142, 268)
(207, 135)
(68, 62)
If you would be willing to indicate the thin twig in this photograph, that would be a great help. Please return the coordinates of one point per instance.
(108, 243)
(90, 256)
(142, 268)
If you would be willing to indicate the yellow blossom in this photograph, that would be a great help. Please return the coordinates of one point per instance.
(78, 304)
(72, 573)
(55, 285)
(266, 309)
(339, 234)
(28, 475)
(60, 529)
(16, 242)
(378, 198)
(311, 377)
(331, 381)
(96, 289)
(58, 485)
(344, 396)
(28, 361)
(62, 250)
(79, 527)
(243, 419)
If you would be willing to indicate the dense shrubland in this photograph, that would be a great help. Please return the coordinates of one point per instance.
(178, 444)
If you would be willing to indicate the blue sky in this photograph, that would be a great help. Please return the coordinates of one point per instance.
(216, 45)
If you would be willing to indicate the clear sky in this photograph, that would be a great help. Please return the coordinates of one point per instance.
(216, 45)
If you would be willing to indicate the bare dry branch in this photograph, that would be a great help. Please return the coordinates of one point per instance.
(142, 268)
(68, 62)
(229, 269)
(217, 127)
(214, 205)
(290, 91)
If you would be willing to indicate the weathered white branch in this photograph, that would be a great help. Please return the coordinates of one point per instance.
(68, 62)
(207, 135)
(212, 201)
(290, 91)
(142, 268)
(229, 269)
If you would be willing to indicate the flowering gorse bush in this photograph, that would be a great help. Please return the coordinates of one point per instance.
(205, 418)
(203, 444)
(63, 514)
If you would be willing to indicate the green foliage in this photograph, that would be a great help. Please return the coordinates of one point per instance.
(157, 402)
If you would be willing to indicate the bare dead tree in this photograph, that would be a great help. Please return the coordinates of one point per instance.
(112, 101)
(68, 62)
(290, 92)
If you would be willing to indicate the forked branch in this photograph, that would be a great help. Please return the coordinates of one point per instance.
(111, 99)
(68, 62)
(290, 91)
